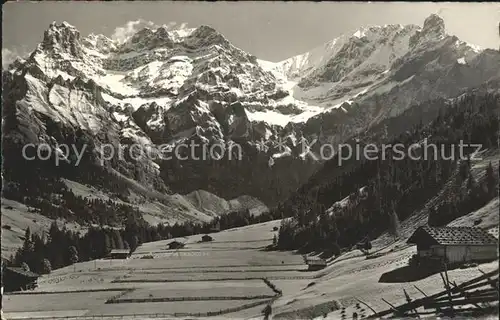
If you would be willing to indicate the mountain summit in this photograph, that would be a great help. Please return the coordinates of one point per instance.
(164, 86)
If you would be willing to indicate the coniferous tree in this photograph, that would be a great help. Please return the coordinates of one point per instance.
(26, 253)
(134, 242)
(491, 181)
(46, 266)
(394, 227)
(25, 266)
(108, 243)
(267, 311)
(73, 256)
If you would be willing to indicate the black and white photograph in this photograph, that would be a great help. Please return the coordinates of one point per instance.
(254, 160)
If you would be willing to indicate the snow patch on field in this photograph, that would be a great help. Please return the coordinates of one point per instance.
(137, 102)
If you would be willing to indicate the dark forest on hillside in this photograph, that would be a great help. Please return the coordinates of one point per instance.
(393, 189)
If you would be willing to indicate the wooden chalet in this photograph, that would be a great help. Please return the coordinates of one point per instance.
(454, 245)
(119, 254)
(315, 263)
(175, 245)
(206, 238)
(18, 279)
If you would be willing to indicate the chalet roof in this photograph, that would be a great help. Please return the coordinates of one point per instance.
(454, 235)
(315, 260)
(175, 241)
(22, 272)
(120, 251)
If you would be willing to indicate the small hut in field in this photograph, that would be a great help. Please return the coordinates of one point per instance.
(206, 238)
(175, 245)
(315, 263)
(119, 254)
(18, 279)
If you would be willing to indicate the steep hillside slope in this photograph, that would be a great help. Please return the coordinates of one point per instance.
(345, 204)
(16, 217)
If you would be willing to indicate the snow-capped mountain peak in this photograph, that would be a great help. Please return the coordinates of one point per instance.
(158, 62)
(393, 37)
(432, 31)
(62, 37)
(434, 24)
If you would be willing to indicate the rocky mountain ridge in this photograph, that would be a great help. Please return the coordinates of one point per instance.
(172, 87)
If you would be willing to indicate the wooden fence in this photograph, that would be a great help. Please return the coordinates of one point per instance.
(155, 315)
(477, 293)
(268, 299)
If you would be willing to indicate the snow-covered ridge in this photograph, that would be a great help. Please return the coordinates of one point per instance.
(354, 61)
(164, 66)
(302, 64)
(369, 62)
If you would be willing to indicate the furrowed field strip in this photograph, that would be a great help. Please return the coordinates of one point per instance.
(56, 302)
(174, 299)
(213, 279)
(202, 290)
(215, 271)
(177, 308)
(66, 291)
(188, 249)
(202, 267)
(152, 315)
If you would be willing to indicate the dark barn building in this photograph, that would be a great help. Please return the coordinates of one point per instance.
(175, 245)
(454, 245)
(206, 238)
(119, 254)
(315, 263)
(17, 279)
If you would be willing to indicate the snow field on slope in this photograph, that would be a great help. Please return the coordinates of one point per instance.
(137, 102)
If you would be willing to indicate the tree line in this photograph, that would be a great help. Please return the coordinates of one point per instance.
(60, 247)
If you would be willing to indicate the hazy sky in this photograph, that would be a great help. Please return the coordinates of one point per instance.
(272, 31)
